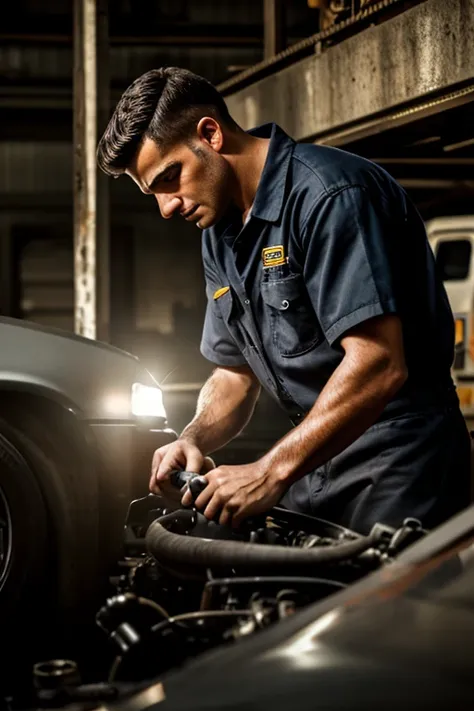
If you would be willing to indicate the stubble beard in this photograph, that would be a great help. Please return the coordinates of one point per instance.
(217, 175)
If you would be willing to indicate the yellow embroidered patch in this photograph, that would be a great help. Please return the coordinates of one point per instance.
(220, 292)
(273, 256)
(459, 332)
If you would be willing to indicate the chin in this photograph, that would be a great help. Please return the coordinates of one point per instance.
(207, 221)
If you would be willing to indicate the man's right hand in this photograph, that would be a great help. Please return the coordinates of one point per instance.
(180, 455)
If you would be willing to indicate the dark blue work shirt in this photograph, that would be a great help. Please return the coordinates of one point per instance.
(332, 240)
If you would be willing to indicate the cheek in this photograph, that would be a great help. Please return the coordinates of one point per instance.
(203, 181)
(220, 180)
(211, 183)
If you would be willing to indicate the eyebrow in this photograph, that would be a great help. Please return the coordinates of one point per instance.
(161, 174)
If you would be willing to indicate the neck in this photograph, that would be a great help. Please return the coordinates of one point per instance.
(247, 162)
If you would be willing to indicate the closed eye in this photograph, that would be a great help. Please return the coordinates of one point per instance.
(169, 177)
(166, 177)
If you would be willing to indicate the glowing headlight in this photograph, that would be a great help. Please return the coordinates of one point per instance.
(147, 401)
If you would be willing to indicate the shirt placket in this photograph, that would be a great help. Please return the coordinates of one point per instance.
(248, 321)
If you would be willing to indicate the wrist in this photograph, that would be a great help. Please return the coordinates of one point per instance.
(280, 470)
(197, 437)
(190, 437)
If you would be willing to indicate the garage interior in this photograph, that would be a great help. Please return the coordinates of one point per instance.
(390, 80)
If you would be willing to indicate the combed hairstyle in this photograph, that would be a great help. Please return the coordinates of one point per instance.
(163, 104)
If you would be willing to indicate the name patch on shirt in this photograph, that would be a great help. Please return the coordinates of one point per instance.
(273, 256)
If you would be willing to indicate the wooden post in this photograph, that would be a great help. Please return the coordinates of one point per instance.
(273, 27)
(91, 206)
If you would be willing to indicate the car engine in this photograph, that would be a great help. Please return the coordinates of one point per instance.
(185, 584)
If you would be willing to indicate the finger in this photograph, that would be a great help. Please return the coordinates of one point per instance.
(213, 509)
(174, 459)
(185, 457)
(154, 486)
(208, 465)
(194, 460)
(203, 497)
(155, 463)
(167, 465)
(187, 499)
(225, 519)
(152, 483)
(244, 510)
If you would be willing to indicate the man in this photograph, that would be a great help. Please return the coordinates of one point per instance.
(322, 289)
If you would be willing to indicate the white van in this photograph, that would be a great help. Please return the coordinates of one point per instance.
(452, 241)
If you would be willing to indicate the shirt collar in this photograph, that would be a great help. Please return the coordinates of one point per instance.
(270, 194)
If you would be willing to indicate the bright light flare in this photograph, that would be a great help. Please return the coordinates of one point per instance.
(147, 401)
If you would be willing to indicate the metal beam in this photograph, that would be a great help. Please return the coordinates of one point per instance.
(207, 36)
(424, 50)
(273, 28)
(91, 295)
(435, 184)
(426, 168)
(439, 162)
(367, 16)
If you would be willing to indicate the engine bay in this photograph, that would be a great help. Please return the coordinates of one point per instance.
(185, 585)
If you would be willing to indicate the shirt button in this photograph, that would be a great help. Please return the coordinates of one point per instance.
(247, 301)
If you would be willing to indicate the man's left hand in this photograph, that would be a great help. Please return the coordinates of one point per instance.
(237, 492)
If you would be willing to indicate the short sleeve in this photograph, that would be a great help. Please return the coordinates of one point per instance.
(349, 245)
(217, 343)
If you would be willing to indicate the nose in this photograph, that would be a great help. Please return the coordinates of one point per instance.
(168, 205)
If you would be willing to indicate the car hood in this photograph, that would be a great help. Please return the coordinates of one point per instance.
(90, 377)
(402, 638)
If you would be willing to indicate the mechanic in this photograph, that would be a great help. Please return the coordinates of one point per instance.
(321, 288)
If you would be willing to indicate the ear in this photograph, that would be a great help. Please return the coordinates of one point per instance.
(209, 130)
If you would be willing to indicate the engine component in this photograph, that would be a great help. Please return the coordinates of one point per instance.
(175, 549)
(126, 618)
(187, 584)
(55, 673)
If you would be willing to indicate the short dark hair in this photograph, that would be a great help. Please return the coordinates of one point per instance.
(164, 105)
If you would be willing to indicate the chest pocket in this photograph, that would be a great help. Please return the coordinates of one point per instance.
(295, 328)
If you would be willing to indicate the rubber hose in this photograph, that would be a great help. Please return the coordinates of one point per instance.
(183, 517)
(174, 548)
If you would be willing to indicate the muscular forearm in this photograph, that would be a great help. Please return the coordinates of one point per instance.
(225, 405)
(352, 400)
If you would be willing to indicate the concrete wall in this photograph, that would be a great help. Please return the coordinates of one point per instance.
(422, 50)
